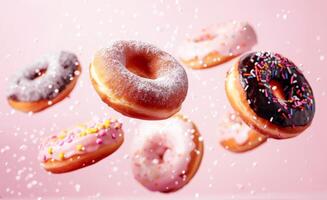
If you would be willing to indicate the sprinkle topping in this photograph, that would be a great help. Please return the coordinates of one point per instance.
(258, 71)
(81, 139)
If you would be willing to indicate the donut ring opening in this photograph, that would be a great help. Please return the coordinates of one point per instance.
(141, 65)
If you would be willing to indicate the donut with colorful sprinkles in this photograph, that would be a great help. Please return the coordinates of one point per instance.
(271, 94)
(81, 146)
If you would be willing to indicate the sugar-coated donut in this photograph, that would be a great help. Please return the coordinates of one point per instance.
(271, 94)
(139, 80)
(166, 154)
(81, 146)
(217, 44)
(237, 136)
(44, 83)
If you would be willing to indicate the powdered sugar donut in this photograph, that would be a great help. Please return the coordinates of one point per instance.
(237, 136)
(81, 146)
(139, 80)
(44, 83)
(217, 44)
(166, 154)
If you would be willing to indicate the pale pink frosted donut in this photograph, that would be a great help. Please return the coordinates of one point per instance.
(139, 80)
(217, 44)
(237, 136)
(80, 146)
(166, 154)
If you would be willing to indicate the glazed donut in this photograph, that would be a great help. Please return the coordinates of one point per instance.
(271, 94)
(217, 44)
(139, 80)
(44, 83)
(166, 154)
(237, 136)
(81, 146)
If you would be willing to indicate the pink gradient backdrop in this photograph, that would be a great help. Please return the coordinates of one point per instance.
(291, 168)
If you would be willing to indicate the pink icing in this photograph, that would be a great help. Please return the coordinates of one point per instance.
(161, 154)
(228, 39)
(68, 145)
(232, 127)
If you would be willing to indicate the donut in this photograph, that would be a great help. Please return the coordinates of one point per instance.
(44, 83)
(237, 136)
(166, 154)
(217, 44)
(80, 146)
(139, 80)
(271, 94)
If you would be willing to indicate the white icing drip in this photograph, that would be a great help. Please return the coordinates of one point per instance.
(60, 70)
(227, 39)
(161, 153)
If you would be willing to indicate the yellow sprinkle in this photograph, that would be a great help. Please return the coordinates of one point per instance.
(50, 150)
(83, 133)
(100, 126)
(61, 156)
(79, 147)
(107, 123)
(91, 130)
(62, 136)
(81, 126)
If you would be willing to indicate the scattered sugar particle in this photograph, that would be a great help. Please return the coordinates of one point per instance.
(322, 57)
(77, 187)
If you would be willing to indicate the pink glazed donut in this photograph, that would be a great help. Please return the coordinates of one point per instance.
(217, 44)
(81, 146)
(166, 154)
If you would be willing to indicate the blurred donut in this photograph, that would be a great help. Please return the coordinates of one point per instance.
(217, 44)
(44, 83)
(237, 136)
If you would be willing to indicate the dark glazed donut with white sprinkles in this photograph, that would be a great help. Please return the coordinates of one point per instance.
(271, 94)
(44, 83)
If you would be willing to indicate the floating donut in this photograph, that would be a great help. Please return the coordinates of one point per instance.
(81, 146)
(271, 94)
(166, 154)
(217, 44)
(237, 136)
(44, 83)
(139, 80)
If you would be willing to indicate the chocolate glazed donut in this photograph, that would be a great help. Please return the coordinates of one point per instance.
(258, 70)
(271, 94)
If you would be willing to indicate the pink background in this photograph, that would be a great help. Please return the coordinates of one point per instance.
(294, 168)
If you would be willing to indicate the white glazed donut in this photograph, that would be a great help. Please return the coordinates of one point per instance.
(166, 154)
(217, 44)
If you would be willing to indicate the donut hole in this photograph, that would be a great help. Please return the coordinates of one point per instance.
(155, 151)
(204, 37)
(141, 65)
(38, 73)
(278, 90)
